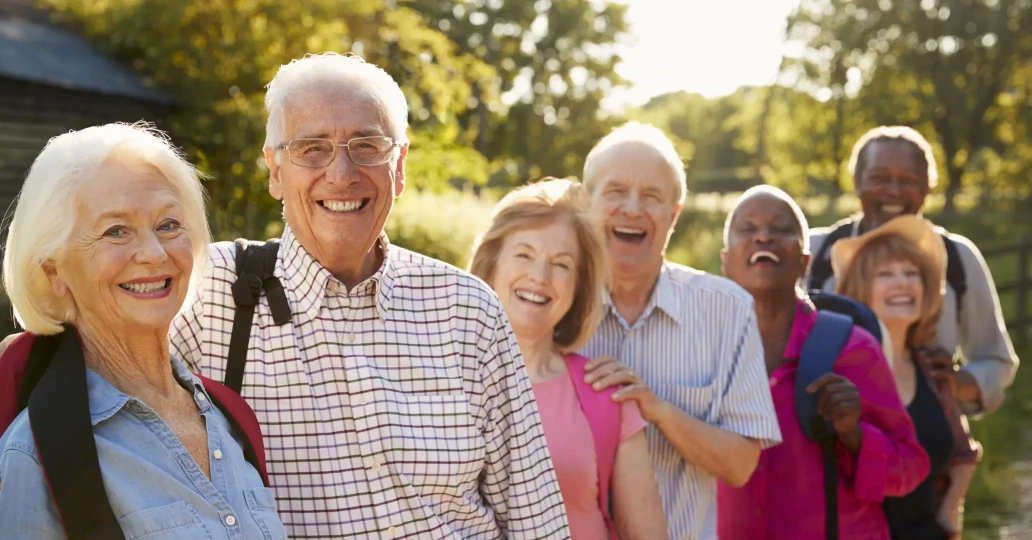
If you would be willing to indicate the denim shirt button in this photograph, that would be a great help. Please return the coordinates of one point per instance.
(230, 520)
(217, 453)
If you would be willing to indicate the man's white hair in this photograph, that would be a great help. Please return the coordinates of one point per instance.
(45, 216)
(332, 70)
(647, 134)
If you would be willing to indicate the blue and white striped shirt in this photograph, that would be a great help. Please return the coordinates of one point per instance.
(697, 346)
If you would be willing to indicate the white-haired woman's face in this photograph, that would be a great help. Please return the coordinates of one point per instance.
(127, 264)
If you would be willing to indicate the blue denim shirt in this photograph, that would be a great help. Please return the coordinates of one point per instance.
(155, 488)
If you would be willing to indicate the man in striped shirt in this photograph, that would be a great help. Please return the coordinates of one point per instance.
(394, 403)
(684, 341)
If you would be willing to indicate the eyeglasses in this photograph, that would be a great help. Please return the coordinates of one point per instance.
(317, 153)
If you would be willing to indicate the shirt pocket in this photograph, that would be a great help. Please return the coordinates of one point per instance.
(262, 505)
(438, 446)
(170, 522)
(697, 401)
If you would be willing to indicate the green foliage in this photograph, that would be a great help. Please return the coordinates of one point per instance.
(957, 70)
(439, 225)
(553, 64)
(216, 57)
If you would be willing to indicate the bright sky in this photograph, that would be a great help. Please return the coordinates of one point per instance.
(707, 46)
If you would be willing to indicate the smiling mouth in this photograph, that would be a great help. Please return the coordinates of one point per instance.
(900, 301)
(150, 289)
(344, 207)
(629, 234)
(764, 257)
(533, 298)
(893, 208)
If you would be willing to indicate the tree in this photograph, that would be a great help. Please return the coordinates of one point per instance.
(215, 58)
(553, 62)
(946, 67)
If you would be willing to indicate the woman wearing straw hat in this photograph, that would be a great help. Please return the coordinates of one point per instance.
(898, 270)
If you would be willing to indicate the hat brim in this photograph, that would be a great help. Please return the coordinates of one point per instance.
(917, 230)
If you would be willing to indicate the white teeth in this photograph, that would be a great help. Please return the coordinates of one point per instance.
(625, 230)
(764, 254)
(531, 297)
(142, 288)
(892, 208)
(342, 206)
(900, 300)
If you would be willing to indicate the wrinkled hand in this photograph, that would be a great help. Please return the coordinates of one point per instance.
(839, 403)
(945, 371)
(604, 372)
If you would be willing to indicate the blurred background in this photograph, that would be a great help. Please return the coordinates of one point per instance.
(502, 92)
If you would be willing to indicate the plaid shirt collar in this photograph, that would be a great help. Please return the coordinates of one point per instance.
(308, 282)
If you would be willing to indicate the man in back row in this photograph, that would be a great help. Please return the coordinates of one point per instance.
(893, 169)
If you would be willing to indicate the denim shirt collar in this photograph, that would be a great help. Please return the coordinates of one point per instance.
(105, 400)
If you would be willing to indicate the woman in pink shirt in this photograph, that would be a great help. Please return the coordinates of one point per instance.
(877, 452)
(546, 260)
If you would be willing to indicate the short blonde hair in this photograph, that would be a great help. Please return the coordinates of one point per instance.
(644, 134)
(537, 205)
(45, 216)
(856, 281)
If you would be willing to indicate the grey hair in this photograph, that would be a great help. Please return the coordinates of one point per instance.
(45, 216)
(923, 150)
(781, 195)
(648, 135)
(333, 70)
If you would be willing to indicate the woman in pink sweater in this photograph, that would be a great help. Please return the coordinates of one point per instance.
(546, 260)
(877, 454)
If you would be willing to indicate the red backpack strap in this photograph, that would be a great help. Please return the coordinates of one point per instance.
(12, 373)
(604, 417)
(242, 418)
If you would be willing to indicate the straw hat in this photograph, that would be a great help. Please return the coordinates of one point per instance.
(918, 231)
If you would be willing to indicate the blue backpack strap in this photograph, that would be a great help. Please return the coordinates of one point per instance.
(820, 350)
(822, 347)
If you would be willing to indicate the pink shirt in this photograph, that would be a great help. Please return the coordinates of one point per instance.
(573, 452)
(785, 496)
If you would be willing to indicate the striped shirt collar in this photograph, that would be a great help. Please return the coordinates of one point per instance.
(663, 297)
(310, 282)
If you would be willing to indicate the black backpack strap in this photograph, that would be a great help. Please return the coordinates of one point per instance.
(955, 274)
(820, 263)
(59, 414)
(255, 267)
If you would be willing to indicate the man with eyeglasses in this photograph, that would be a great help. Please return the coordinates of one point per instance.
(394, 403)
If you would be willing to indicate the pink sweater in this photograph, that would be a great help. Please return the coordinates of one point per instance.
(785, 496)
(573, 452)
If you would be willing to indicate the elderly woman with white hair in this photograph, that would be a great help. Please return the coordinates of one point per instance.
(107, 238)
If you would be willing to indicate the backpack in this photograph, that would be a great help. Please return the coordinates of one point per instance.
(603, 416)
(837, 315)
(47, 375)
(820, 267)
(255, 266)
